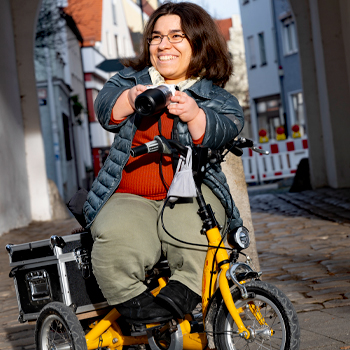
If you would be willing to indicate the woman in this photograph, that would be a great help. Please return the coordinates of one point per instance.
(181, 46)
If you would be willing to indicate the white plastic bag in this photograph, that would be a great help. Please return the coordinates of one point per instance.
(183, 185)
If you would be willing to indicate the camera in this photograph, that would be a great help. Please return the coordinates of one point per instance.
(154, 99)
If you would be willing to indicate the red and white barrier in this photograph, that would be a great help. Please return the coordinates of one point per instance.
(282, 162)
(250, 165)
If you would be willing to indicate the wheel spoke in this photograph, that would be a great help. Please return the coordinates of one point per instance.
(58, 328)
(268, 316)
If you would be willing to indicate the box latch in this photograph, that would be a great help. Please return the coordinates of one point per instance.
(39, 287)
(83, 259)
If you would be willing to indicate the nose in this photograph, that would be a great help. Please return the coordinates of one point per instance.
(165, 43)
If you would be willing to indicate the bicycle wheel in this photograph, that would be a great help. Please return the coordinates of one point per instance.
(58, 328)
(269, 316)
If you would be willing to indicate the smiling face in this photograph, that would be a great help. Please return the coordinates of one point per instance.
(170, 60)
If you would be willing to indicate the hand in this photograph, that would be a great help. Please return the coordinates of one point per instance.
(134, 92)
(184, 106)
(125, 104)
(189, 112)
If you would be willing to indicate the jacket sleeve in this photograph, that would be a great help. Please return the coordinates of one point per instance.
(106, 99)
(224, 117)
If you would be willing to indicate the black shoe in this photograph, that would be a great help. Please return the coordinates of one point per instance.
(178, 298)
(143, 309)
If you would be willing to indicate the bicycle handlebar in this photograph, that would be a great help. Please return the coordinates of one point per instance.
(162, 145)
(159, 144)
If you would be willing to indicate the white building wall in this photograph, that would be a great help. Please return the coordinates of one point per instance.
(263, 80)
(115, 43)
(257, 18)
(80, 124)
(27, 188)
(116, 40)
(133, 16)
(14, 201)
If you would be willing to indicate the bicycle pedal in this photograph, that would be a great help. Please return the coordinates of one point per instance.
(141, 329)
(138, 329)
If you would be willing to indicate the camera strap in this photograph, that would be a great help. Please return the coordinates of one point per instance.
(161, 155)
(175, 136)
(175, 156)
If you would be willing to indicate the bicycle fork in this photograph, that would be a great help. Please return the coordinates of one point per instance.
(216, 257)
(210, 277)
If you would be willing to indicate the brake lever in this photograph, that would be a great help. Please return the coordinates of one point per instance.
(259, 150)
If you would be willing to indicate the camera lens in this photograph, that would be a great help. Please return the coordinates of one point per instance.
(145, 105)
(152, 101)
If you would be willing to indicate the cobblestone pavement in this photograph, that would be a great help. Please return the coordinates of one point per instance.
(303, 241)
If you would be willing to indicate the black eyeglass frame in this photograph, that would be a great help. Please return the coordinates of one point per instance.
(183, 35)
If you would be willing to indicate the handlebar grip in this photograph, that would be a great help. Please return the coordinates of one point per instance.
(139, 151)
(236, 151)
(148, 147)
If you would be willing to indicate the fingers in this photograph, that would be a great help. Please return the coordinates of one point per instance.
(184, 106)
(134, 92)
(140, 88)
(180, 97)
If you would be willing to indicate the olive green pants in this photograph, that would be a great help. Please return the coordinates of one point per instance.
(128, 240)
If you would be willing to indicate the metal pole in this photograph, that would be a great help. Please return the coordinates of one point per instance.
(54, 125)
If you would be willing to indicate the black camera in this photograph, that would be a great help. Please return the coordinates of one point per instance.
(154, 99)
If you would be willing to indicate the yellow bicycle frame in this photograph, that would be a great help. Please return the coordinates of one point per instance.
(107, 333)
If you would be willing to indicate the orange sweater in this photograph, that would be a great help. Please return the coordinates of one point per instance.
(141, 174)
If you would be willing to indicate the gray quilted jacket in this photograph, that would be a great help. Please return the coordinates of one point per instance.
(224, 119)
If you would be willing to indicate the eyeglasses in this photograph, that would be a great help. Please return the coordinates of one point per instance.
(173, 38)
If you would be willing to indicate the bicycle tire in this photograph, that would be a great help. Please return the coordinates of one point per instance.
(58, 327)
(274, 306)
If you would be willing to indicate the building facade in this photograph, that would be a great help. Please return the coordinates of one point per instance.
(62, 103)
(106, 36)
(231, 28)
(289, 67)
(262, 67)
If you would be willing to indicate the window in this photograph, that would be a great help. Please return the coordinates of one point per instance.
(251, 51)
(269, 115)
(66, 132)
(298, 111)
(262, 49)
(116, 45)
(114, 13)
(289, 36)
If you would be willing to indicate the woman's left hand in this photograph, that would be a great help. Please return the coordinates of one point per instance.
(184, 106)
(188, 111)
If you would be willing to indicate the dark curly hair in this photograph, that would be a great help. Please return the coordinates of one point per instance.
(210, 56)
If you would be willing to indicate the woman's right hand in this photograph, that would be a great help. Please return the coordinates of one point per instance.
(125, 104)
(134, 92)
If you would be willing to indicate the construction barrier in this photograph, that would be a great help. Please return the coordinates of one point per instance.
(282, 162)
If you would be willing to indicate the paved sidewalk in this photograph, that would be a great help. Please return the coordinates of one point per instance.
(303, 240)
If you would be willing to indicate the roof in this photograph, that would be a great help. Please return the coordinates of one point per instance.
(147, 8)
(224, 26)
(87, 15)
(72, 25)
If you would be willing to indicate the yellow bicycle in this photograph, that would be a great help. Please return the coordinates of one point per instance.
(238, 310)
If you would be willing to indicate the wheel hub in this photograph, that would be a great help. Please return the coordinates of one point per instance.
(263, 333)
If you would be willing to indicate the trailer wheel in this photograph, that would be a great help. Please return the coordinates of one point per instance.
(58, 328)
